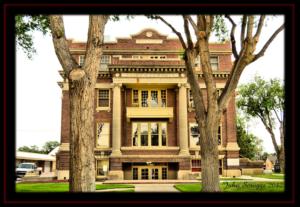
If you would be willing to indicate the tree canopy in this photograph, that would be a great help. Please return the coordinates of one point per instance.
(250, 145)
(47, 147)
(25, 26)
(265, 100)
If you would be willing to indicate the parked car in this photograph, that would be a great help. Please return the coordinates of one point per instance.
(27, 167)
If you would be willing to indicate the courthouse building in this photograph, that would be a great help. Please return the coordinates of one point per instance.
(145, 126)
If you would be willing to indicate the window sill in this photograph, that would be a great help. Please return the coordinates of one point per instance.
(103, 109)
(150, 148)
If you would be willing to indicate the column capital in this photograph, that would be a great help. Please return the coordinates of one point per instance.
(181, 85)
(118, 85)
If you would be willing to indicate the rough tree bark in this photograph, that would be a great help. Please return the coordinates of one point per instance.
(82, 92)
(208, 117)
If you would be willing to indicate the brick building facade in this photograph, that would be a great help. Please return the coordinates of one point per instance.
(145, 125)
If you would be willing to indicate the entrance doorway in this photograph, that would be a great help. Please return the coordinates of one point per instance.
(149, 172)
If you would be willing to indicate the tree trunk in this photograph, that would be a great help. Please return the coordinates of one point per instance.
(209, 158)
(82, 95)
(82, 83)
(208, 124)
(282, 149)
(82, 163)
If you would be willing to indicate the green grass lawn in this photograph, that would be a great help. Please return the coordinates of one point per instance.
(237, 187)
(113, 186)
(233, 179)
(270, 176)
(64, 187)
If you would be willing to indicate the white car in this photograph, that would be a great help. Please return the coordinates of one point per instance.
(28, 167)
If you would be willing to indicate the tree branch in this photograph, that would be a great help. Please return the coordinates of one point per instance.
(173, 29)
(243, 29)
(277, 115)
(209, 23)
(61, 44)
(187, 32)
(267, 44)
(232, 81)
(236, 56)
(193, 24)
(270, 129)
(250, 26)
(259, 27)
(94, 45)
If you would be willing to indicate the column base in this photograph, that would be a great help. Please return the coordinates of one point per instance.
(116, 153)
(184, 152)
(116, 175)
(183, 174)
(62, 174)
(231, 173)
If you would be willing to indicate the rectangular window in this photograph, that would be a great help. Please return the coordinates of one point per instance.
(163, 94)
(102, 167)
(219, 134)
(144, 134)
(81, 60)
(163, 134)
(105, 59)
(135, 173)
(102, 139)
(135, 97)
(134, 134)
(149, 98)
(154, 99)
(149, 134)
(164, 173)
(144, 98)
(191, 100)
(194, 135)
(214, 63)
(196, 165)
(154, 134)
(219, 91)
(103, 98)
(145, 173)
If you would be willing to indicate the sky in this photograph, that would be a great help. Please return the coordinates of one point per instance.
(39, 96)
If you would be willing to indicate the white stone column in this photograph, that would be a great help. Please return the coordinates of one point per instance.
(116, 126)
(183, 122)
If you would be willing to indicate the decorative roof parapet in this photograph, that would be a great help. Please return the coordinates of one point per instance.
(219, 74)
(143, 69)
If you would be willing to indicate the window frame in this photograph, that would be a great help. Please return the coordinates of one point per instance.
(107, 59)
(149, 134)
(103, 108)
(97, 135)
(190, 135)
(97, 168)
(212, 63)
(191, 102)
(218, 134)
(159, 97)
(81, 58)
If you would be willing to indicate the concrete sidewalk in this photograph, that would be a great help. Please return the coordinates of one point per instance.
(142, 188)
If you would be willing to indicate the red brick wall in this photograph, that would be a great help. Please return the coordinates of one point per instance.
(65, 117)
(172, 129)
(63, 160)
(231, 120)
(225, 63)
